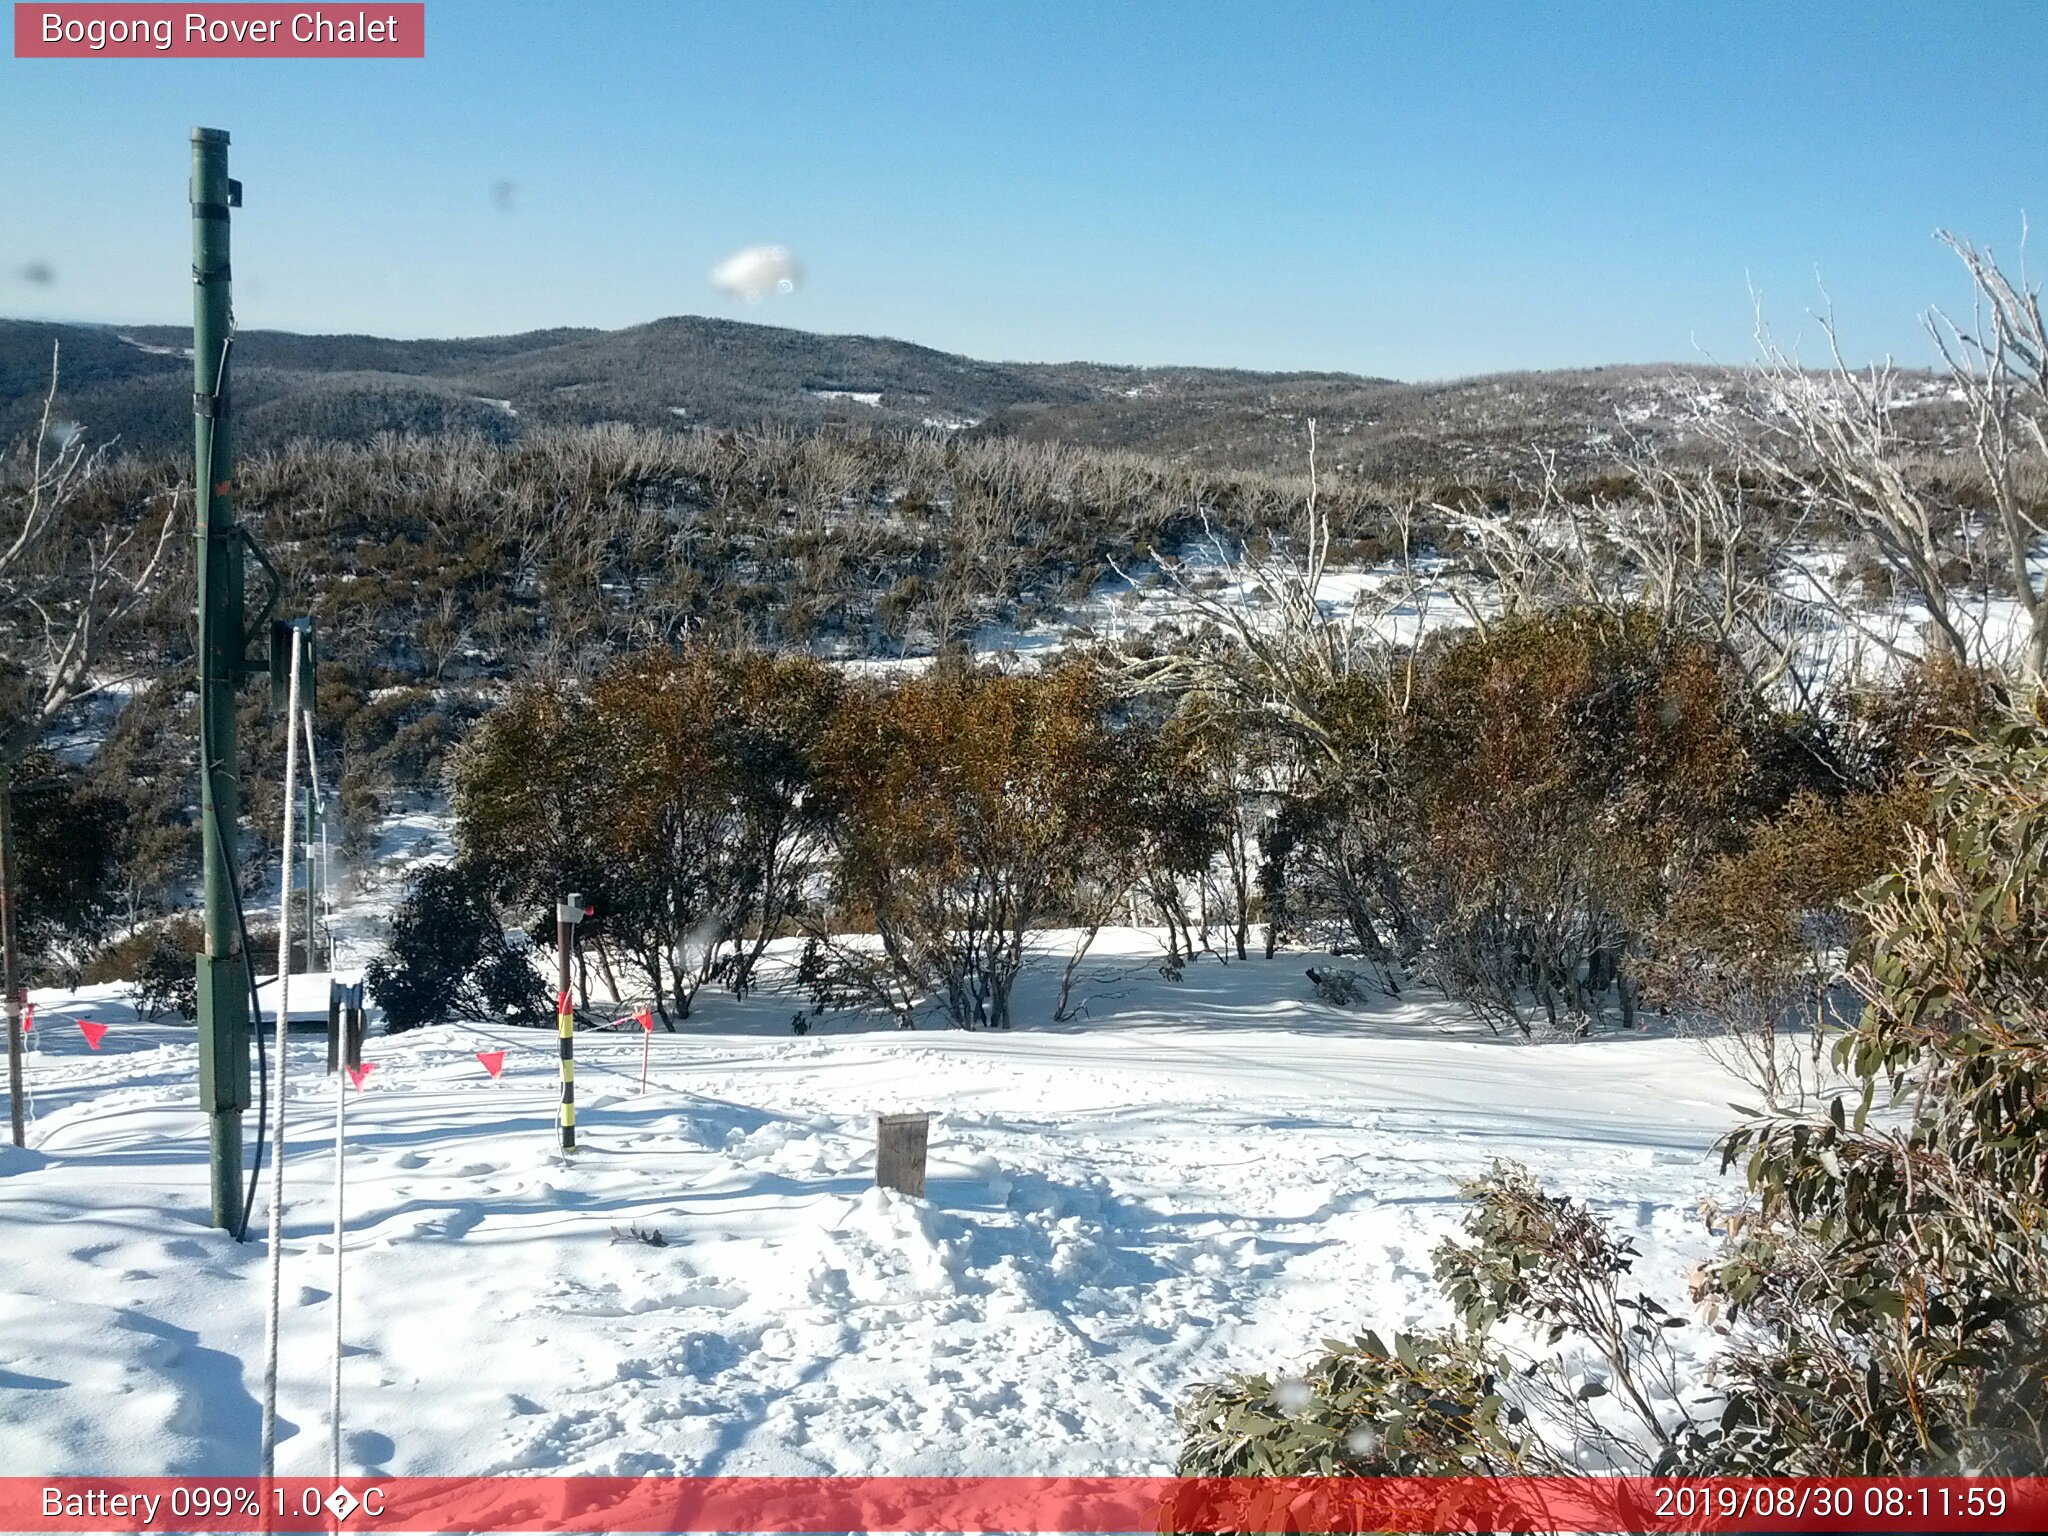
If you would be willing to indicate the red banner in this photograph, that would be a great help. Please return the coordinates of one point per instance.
(360, 31)
(1023, 1504)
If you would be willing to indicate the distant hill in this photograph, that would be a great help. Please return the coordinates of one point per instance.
(688, 371)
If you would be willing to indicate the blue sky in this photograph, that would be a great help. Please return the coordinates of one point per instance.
(1416, 190)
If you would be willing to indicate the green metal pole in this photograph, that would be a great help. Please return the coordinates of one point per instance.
(223, 967)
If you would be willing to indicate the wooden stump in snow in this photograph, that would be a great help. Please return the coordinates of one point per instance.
(900, 1142)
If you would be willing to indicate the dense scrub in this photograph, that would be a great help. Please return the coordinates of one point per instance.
(441, 570)
(1879, 1300)
(1513, 829)
(1563, 819)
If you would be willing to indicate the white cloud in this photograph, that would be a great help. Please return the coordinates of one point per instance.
(757, 271)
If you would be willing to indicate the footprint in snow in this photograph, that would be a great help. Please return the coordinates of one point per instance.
(370, 1449)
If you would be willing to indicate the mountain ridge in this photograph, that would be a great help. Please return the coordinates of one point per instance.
(132, 383)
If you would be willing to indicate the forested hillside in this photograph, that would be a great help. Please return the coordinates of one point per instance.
(132, 385)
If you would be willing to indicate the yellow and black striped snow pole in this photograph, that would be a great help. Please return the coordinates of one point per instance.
(565, 1017)
(568, 913)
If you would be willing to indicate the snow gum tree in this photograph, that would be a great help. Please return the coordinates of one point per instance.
(528, 793)
(1183, 817)
(675, 792)
(713, 839)
(1565, 765)
(1334, 868)
(75, 573)
(1236, 769)
(1749, 952)
(966, 810)
(1510, 818)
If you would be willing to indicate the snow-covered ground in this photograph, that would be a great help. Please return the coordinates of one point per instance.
(362, 894)
(1392, 602)
(1193, 1177)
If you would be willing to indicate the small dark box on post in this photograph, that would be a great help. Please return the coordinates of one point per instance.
(900, 1142)
(355, 1024)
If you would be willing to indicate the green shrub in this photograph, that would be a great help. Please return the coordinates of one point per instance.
(157, 962)
(449, 957)
(1475, 1397)
(1427, 1406)
(66, 862)
(1888, 1294)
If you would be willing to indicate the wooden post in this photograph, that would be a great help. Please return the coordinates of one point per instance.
(900, 1143)
(335, 992)
(12, 989)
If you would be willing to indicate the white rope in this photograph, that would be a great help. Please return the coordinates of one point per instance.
(28, 1081)
(284, 968)
(326, 875)
(316, 811)
(340, 1126)
(340, 1121)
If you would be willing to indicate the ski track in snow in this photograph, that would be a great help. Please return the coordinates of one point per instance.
(1198, 1177)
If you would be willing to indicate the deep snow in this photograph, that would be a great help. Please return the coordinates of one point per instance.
(1194, 1177)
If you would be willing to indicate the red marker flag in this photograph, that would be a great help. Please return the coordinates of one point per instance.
(28, 1017)
(94, 1033)
(494, 1061)
(357, 1074)
(646, 1018)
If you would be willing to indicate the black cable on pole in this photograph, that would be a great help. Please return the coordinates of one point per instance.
(262, 1061)
(256, 1028)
